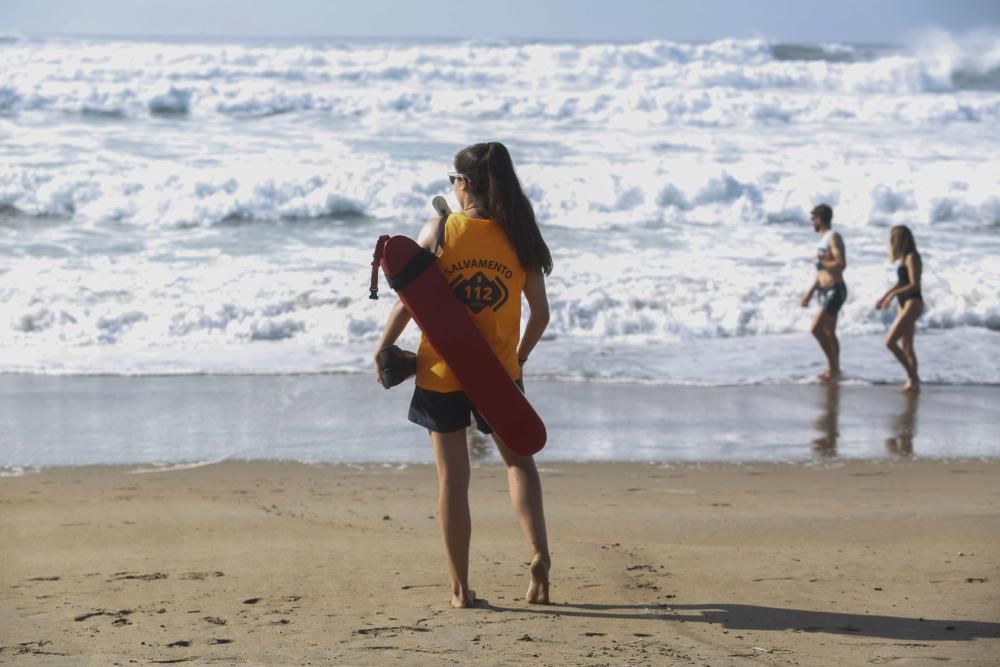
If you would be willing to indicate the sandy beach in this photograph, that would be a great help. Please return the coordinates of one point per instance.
(271, 563)
(198, 466)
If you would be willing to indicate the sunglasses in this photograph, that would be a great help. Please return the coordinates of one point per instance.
(454, 176)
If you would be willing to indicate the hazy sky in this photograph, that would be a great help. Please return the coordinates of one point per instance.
(785, 20)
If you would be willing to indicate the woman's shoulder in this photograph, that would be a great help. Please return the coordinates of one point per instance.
(461, 215)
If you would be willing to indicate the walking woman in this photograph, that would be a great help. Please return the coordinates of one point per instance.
(903, 248)
(491, 252)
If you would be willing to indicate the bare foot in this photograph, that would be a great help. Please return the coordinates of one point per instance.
(911, 386)
(830, 376)
(538, 589)
(466, 601)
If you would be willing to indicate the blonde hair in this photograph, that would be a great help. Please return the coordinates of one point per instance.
(901, 242)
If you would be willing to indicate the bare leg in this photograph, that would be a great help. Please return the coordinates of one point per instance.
(901, 330)
(834, 346)
(526, 498)
(819, 333)
(898, 353)
(911, 355)
(452, 456)
(824, 330)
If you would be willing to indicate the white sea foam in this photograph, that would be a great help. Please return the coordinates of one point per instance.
(970, 59)
(720, 83)
(176, 207)
(597, 194)
(14, 471)
(175, 466)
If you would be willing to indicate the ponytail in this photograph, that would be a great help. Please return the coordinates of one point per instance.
(494, 186)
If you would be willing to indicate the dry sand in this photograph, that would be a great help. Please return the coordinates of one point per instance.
(291, 564)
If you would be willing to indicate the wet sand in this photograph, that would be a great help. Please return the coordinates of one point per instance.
(269, 563)
(83, 420)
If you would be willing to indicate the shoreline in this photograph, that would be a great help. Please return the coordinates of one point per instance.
(955, 356)
(364, 467)
(269, 563)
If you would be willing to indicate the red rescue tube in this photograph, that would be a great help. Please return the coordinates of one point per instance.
(445, 321)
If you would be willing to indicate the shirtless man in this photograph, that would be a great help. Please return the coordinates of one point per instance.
(831, 260)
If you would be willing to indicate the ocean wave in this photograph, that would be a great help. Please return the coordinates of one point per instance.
(174, 101)
(665, 190)
(659, 82)
(189, 198)
(749, 288)
(968, 61)
(722, 98)
(9, 98)
(962, 356)
(835, 53)
(211, 207)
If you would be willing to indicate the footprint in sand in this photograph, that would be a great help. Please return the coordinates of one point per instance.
(201, 576)
(122, 576)
(104, 612)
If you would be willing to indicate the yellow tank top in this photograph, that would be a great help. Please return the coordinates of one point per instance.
(483, 270)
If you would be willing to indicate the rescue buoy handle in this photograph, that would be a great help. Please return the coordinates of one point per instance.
(376, 262)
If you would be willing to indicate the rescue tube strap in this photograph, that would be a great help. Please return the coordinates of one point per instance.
(440, 234)
(376, 262)
(411, 271)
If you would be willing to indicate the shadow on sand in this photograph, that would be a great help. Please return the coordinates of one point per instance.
(754, 617)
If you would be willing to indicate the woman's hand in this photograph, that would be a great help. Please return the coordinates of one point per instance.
(883, 303)
(399, 317)
(805, 300)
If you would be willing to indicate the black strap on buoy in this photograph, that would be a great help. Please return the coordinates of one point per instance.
(412, 270)
(376, 262)
(440, 233)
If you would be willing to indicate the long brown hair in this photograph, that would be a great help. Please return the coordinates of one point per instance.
(494, 186)
(901, 242)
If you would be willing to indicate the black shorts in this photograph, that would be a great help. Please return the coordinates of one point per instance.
(832, 298)
(446, 412)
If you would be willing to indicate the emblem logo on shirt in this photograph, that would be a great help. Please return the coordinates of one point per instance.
(478, 292)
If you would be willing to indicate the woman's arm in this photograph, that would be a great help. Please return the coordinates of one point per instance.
(428, 236)
(538, 316)
(885, 299)
(399, 317)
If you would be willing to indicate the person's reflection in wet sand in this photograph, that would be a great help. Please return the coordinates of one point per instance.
(827, 422)
(904, 427)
